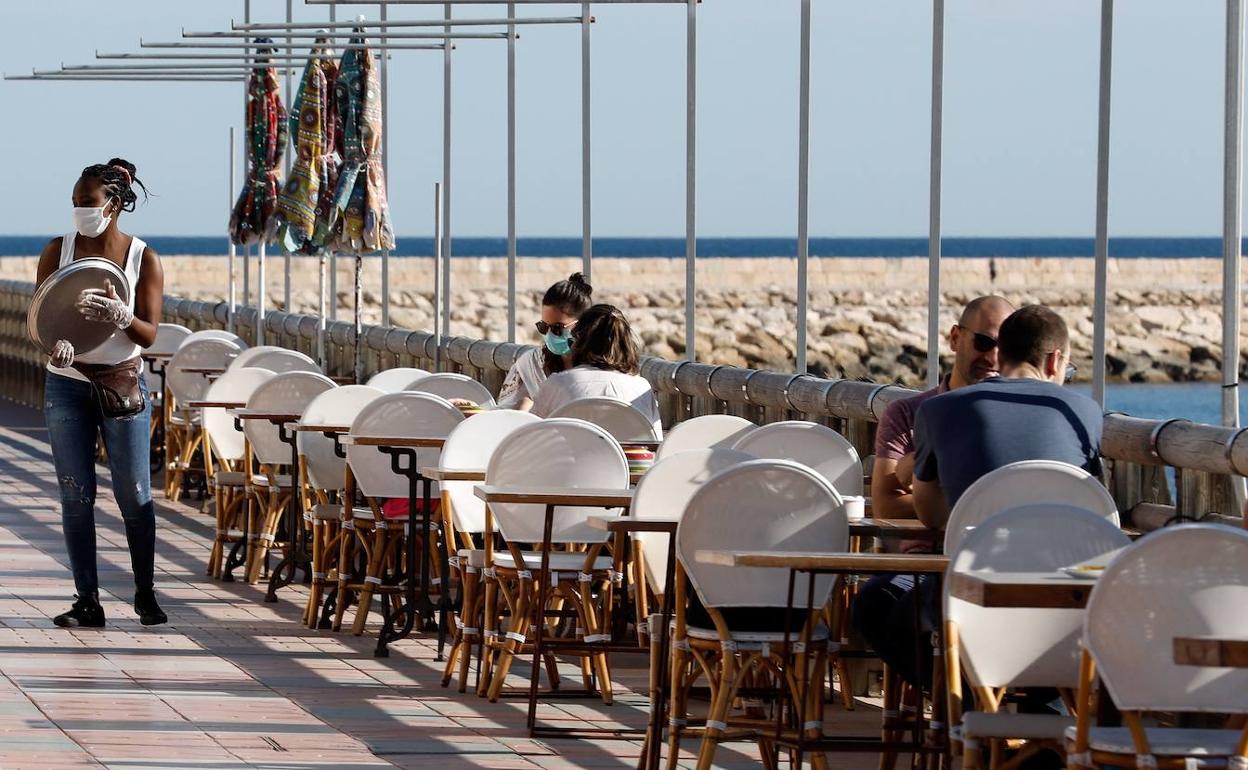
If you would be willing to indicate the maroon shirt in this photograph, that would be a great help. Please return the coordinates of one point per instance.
(894, 438)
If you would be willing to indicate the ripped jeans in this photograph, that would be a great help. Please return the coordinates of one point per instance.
(74, 420)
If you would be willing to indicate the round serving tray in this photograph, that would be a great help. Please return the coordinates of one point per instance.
(52, 315)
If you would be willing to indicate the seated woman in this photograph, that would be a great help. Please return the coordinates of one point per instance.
(605, 362)
(562, 304)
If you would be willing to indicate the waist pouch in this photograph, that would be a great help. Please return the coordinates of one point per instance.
(116, 387)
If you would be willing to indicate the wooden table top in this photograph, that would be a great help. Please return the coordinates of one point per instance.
(310, 428)
(216, 404)
(632, 524)
(204, 369)
(1210, 651)
(596, 498)
(427, 442)
(265, 414)
(831, 562)
(465, 474)
(1039, 590)
(912, 529)
(156, 356)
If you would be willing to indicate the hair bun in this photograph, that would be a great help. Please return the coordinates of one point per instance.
(127, 165)
(579, 279)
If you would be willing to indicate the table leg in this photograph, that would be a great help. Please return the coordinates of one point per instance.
(543, 579)
(295, 557)
(650, 760)
(409, 609)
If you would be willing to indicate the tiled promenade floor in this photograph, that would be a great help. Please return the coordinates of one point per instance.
(232, 682)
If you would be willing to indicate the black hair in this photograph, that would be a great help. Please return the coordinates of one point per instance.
(571, 296)
(1030, 334)
(118, 178)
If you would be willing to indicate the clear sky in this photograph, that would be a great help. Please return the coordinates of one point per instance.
(1020, 118)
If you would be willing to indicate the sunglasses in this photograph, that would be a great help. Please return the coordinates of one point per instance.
(982, 342)
(558, 329)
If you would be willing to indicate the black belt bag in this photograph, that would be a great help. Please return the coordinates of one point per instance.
(116, 387)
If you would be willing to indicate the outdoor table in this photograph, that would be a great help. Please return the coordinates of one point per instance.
(552, 498)
(1038, 590)
(296, 556)
(208, 372)
(216, 404)
(815, 563)
(1210, 651)
(622, 526)
(478, 474)
(907, 529)
(420, 487)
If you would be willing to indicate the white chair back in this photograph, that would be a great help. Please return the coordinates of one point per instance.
(168, 338)
(193, 354)
(1185, 581)
(1024, 483)
(1026, 647)
(282, 361)
(238, 385)
(616, 417)
(469, 447)
(764, 505)
(244, 358)
(452, 386)
(709, 431)
(290, 393)
(398, 414)
(555, 452)
(665, 491)
(394, 380)
(336, 406)
(816, 446)
(215, 334)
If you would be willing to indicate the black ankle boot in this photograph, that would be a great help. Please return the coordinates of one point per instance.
(86, 613)
(150, 613)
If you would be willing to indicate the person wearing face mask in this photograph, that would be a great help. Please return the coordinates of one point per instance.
(562, 305)
(76, 414)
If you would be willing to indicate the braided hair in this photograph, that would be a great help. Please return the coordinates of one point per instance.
(117, 178)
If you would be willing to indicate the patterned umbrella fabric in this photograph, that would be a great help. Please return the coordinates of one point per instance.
(360, 219)
(308, 195)
(266, 141)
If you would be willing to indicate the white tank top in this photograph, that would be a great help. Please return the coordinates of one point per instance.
(118, 347)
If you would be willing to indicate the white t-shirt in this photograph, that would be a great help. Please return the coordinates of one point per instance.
(587, 382)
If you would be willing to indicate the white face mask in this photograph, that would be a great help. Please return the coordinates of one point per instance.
(90, 222)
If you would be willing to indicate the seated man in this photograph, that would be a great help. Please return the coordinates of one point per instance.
(960, 436)
(974, 342)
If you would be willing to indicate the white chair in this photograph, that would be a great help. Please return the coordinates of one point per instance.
(183, 433)
(1181, 582)
(1001, 648)
(287, 393)
(282, 361)
(468, 448)
(766, 505)
(324, 476)
(616, 417)
(452, 387)
(228, 463)
(394, 380)
(563, 453)
(393, 414)
(215, 334)
(710, 431)
(168, 338)
(816, 446)
(1022, 483)
(244, 358)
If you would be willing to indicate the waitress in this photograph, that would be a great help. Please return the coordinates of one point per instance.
(77, 410)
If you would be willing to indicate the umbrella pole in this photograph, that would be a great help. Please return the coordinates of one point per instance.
(231, 295)
(359, 320)
(260, 294)
(320, 312)
(246, 275)
(438, 329)
(385, 164)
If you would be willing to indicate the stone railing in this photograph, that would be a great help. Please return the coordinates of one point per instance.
(1138, 451)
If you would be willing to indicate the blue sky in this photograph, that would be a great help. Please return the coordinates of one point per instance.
(1020, 118)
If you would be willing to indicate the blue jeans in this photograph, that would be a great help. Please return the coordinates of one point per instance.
(884, 613)
(74, 420)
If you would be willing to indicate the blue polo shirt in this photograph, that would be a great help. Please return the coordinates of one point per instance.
(961, 435)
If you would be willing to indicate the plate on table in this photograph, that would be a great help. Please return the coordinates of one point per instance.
(52, 315)
(1092, 568)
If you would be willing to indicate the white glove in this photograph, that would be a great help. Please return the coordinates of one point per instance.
(105, 307)
(62, 354)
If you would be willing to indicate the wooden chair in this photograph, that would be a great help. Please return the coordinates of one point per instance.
(1001, 649)
(183, 431)
(710, 431)
(1188, 581)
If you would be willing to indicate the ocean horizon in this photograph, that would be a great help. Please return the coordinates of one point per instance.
(742, 247)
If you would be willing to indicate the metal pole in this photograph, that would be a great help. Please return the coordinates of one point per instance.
(246, 170)
(246, 273)
(231, 296)
(385, 165)
(1101, 280)
(1232, 224)
(359, 319)
(446, 181)
(587, 242)
(320, 312)
(935, 151)
(691, 180)
(333, 256)
(803, 187)
(261, 292)
(438, 328)
(290, 103)
(511, 175)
